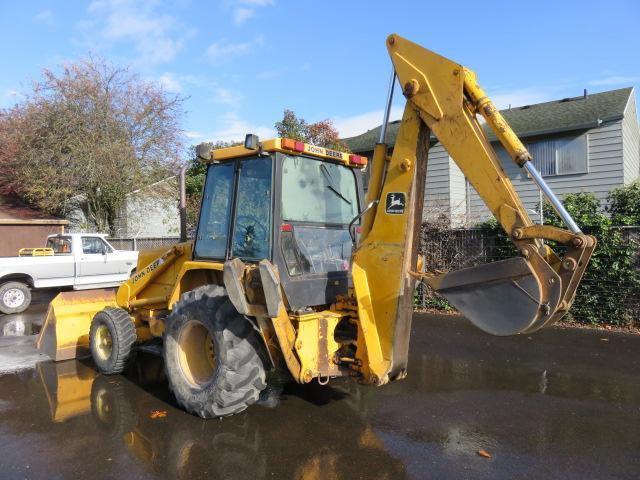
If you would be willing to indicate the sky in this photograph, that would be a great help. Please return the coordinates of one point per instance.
(240, 63)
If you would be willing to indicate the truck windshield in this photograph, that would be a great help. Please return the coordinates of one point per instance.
(317, 191)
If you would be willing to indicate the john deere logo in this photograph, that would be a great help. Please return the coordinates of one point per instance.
(396, 202)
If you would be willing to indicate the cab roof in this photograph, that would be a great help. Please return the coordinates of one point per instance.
(286, 145)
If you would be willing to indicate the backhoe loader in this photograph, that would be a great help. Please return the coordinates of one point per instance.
(292, 268)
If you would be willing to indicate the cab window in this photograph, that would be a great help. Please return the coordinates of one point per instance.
(248, 235)
(60, 245)
(319, 200)
(252, 221)
(318, 191)
(213, 228)
(94, 246)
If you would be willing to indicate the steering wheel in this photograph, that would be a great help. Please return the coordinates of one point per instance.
(244, 221)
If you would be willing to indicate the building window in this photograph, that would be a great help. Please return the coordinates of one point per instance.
(560, 156)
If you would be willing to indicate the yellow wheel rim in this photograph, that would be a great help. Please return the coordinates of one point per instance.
(196, 356)
(102, 406)
(102, 342)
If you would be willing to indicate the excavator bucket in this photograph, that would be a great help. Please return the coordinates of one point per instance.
(65, 332)
(507, 297)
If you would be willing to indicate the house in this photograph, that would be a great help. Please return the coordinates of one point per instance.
(586, 143)
(21, 226)
(151, 211)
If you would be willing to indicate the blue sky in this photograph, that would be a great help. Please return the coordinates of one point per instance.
(241, 62)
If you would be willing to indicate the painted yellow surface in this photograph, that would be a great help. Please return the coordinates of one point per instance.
(378, 265)
(276, 145)
(440, 103)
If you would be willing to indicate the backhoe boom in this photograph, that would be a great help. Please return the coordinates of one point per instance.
(518, 295)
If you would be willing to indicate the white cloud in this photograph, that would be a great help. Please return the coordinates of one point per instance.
(521, 97)
(154, 36)
(357, 124)
(9, 98)
(268, 74)
(257, 3)
(170, 82)
(226, 96)
(234, 128)
(193, 134)
(224, 49)
(241, 15)
(45, 16)
(243, 10)
(614, 80)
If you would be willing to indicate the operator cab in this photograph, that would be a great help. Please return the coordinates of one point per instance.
(288, 202)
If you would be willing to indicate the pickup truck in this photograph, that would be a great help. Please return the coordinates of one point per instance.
(80, 261)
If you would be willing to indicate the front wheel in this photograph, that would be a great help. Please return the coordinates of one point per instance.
(212, 354)
(15, 297)
(111, 338)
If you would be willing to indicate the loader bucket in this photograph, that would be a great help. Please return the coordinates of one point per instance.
(507, 297)
(65, 332)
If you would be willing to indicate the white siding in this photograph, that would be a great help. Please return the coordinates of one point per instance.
(458, 201)
(437, 188)
(445, 192)
(605, 172)
(631, 141)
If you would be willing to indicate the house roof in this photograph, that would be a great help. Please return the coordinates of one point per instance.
(575, 113)
(14, 212)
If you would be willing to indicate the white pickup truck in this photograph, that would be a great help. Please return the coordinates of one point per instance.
(80, 261)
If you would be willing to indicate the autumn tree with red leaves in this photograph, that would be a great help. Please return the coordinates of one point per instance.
(322, 133)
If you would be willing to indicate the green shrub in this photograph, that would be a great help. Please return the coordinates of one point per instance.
(612, 277)
(607, 293)
(624, 204)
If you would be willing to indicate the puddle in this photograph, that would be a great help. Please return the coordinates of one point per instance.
(539, 416)
(17, 327)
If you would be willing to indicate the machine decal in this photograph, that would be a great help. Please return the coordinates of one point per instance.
(396, 202)
(150, 268)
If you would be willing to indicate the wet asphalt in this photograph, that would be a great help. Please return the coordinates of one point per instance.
(555, 404)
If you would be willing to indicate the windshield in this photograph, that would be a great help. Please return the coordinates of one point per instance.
(318, 191)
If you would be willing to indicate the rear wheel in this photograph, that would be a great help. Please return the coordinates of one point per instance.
(212, 355)
(15, 297)
(111, 337)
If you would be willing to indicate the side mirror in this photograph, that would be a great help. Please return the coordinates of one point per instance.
(203, 151)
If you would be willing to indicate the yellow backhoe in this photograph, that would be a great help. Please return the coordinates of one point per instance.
(291, 268)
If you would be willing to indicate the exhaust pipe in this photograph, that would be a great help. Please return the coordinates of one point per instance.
(183, 204)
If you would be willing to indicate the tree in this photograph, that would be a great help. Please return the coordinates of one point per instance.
(87, 136)
(322, 133)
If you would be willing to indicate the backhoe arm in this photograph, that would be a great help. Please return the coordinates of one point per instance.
(518, 295)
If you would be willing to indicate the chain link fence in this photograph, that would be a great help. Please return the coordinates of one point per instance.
(144, 243)
(447, 249)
